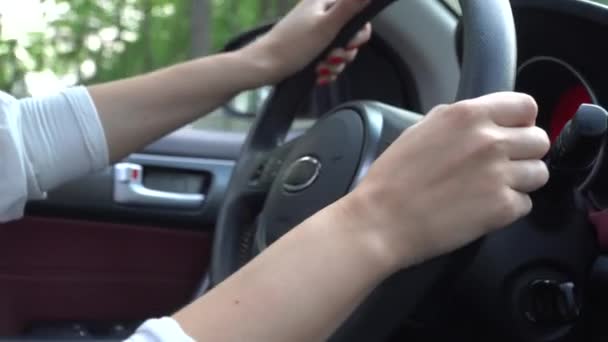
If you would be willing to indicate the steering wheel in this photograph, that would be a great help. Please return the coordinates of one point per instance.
(276, 184)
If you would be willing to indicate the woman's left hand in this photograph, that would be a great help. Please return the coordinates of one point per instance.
(304, 33)
(334, 64)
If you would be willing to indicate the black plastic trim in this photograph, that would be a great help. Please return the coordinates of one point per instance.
(91, 198)
(593, 11)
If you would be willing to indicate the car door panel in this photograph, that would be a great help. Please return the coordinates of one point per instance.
(92, 197)
(81, 256)
(75, 270)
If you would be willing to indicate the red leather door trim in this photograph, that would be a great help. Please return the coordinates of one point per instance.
(64, 270)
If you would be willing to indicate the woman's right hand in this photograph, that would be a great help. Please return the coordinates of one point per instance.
(465, 170)
(462, 172)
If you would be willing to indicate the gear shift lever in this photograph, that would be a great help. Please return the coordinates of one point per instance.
(579, 143)
(570, 161)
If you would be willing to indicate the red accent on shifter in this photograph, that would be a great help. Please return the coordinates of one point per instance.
(599, 219)
(569, 102)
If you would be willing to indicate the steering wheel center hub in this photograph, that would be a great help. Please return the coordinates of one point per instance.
(318, 170)
(301, 174)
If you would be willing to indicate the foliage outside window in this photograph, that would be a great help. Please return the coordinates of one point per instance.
(46, 45)
(51, 43)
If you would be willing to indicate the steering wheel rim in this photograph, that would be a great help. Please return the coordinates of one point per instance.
(489, 65)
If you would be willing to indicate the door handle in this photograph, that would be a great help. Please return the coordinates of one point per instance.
(129, 189)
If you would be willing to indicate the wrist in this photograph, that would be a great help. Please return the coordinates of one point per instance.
(366, 233)
(264, 63)
(249, 70)
(390, 242)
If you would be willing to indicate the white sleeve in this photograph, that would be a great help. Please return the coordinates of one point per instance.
(45, 142)
(160, 330)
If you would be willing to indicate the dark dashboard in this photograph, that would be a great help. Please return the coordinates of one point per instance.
(563, 63)
(562, 59)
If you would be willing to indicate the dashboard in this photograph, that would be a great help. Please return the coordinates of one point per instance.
(561, 59)
(563, 63)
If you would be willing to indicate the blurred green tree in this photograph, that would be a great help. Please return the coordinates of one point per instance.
(91, 41)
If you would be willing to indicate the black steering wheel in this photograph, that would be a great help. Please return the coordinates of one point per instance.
(276, 185)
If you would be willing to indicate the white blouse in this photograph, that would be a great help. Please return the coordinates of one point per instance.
(47, 141)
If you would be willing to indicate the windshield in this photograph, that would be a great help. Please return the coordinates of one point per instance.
(454, 4)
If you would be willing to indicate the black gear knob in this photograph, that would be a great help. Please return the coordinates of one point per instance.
(570, 161)
(579, 143)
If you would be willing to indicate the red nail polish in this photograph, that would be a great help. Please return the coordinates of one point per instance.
(324, 72)
(335, 60)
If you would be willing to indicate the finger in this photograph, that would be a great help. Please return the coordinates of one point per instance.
(337, 69)
(515, 206)
(362, 37)
(527, 175)
(507, 109)
(526, 142)
(336, 57)
(340, 56)
(343, 10)
(350, 55)
(324, 70)
(330, 70)
(325, 80)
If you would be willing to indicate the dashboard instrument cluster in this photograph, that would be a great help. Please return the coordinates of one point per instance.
(563, 63)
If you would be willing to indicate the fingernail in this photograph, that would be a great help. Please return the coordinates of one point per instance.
(335, 60)
(324, 72)
(352, 47)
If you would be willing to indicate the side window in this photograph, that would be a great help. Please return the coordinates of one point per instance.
(46, 45)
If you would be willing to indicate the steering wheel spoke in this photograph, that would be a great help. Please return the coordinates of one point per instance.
(265, 167)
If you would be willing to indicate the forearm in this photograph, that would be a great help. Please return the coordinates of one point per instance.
(136, 111)
(300, 289)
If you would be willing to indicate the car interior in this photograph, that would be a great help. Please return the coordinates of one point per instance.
(147, 236)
